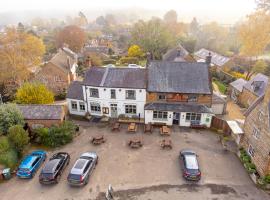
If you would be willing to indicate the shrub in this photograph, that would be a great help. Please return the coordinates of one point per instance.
(266, 179)
(251, 168)
(4, 145)
(129, 60)
(10, 115)
(18, 137)
(9, 159)
(56, 135)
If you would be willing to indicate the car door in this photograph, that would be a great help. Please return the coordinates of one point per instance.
(86, 171)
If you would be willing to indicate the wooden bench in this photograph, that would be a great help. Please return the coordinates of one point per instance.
(166, 144)
(135, 142)
(99, 139)
(116, 126)
(166, 131)
(148, 128)
(132, 127)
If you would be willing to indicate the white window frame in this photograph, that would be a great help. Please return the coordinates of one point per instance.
(91, 92)
(251, 150)
(191, 117)
(95, 107)
(160, 115)
(256, 133)
(131, 108)
(113, 90)
(74, 103)
(192, 98)
(131, 97)
(162, 95)
(81, 104)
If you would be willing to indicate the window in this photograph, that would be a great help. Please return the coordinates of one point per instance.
(160, 115)
(94, 92)
(251, 150)
(256, 133)
(105, 110)
(130, 94)
(82, 107)
(161, 97)
(193, 117)
(95, 107)
(131, 109)
(74, 105)
(113, 94)
(192, 98)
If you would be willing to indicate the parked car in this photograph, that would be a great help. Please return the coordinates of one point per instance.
(190, 166)
(82, 169)
(30, 164)
(53, 169)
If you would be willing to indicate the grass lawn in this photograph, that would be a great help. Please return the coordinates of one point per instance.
(221, 86)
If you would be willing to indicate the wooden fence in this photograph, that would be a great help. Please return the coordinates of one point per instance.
(220, 124)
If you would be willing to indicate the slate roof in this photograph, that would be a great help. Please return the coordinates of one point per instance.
(238, 84)
(258, 78)
(176, 54)
(42, 112)
(217, 59)
(60, 59)
(179, 77)
(75, 90)
(178, 107)
(116, 77)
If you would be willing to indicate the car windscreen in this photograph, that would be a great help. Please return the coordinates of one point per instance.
(47, 175)
(191, 162)
(74, 176)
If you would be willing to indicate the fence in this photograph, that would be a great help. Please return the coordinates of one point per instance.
(220, 124)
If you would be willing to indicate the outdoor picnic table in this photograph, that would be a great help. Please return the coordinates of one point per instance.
(98, 139)
(164, 130)
(132, 127)
(166, 143)
(148, 128)
(116, 126)
(135, 142)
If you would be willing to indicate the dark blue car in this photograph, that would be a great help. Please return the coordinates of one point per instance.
(30, 164)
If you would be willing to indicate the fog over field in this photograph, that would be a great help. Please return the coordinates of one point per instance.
(225, 12)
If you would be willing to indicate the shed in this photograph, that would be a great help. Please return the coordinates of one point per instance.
(42, 115)
(236, 131)
(219, 104)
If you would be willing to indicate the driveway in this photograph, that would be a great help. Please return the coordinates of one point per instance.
(147, 173)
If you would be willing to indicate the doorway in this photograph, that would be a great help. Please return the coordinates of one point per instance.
(114, 113)
(176, 118)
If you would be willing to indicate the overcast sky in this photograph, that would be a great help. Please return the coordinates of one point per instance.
(224, 10)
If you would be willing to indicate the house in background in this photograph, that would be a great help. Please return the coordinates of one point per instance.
(236, 88)
(178, 54)
(37, 116)
(179, 93)
(219, 62)
(253, 89)
(109, 91)
(59, 72)
(256, 138)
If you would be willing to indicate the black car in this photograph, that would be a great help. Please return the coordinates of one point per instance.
(53, 169)
(190, 165)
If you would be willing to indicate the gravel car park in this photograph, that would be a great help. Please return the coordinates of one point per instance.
(147, 173)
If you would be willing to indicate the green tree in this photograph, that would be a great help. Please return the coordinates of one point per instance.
(135, 51)
(34, 93)
(153, 36)
(18, 137)
(10, 115)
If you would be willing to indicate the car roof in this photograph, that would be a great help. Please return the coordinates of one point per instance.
(79, 166)
(50, 166)
(191, 162)
(28, 161)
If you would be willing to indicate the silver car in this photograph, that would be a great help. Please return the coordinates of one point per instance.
(82, 169)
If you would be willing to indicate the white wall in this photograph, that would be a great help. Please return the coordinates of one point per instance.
(105, 100)
(218, 109)
(204, 117)
(78, 111)
(149, 118)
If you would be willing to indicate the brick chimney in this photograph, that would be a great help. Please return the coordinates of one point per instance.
(208, 59)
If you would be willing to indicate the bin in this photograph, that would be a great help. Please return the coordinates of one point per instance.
(6, 173)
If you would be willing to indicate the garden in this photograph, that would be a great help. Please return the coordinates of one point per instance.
(16, 140)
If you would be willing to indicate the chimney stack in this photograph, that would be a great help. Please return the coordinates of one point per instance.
(208, 59)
